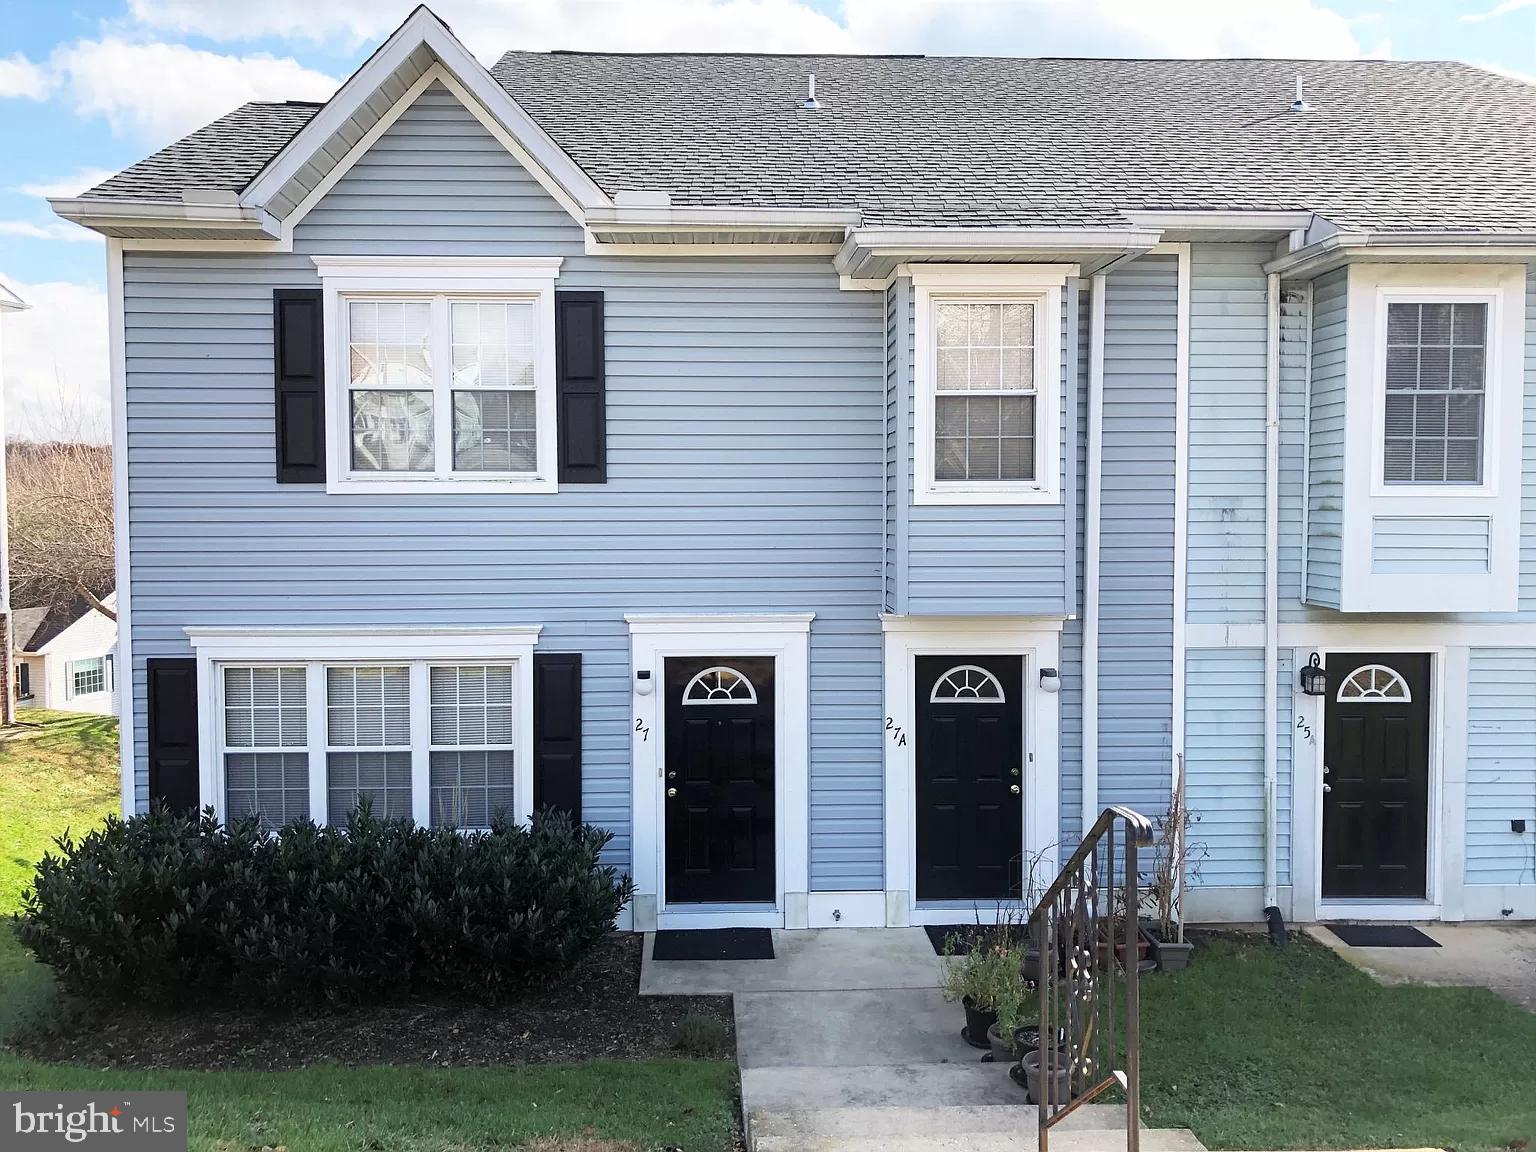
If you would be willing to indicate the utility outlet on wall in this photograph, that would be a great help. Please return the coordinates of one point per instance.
(1517, 825)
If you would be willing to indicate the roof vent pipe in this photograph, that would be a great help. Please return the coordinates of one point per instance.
(811, 103)
(1300, 103)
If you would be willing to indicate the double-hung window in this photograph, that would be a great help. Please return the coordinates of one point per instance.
(446, 373)
(987, 385)
(1436, 384)
(436, 728)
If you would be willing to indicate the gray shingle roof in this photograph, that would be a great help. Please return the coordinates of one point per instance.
(1390, 145)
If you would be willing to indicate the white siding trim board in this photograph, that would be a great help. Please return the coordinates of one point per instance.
(127, 670)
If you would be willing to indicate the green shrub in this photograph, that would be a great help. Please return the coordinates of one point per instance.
(173, 909)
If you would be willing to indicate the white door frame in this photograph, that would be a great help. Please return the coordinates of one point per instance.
(785, 638)
(1307, 797)
(1038, 641)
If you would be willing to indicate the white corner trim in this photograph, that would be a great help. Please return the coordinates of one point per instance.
(461, 71)
(1091, 551)
(1045, 290)
(785, 638)
(1181, 507)
(1039, 643)
(128, 692)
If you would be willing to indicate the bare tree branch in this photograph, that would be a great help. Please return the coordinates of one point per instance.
(60, 496)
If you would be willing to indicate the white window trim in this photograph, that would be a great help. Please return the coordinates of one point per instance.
(317, 648)
(1493, 373)
(529, 278)
(1041, 285)
(1367, 496)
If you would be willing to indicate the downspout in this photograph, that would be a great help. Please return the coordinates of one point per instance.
(1095, 469)
(1271, 582)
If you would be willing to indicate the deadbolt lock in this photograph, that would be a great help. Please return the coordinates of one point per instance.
(1013, 771)
(671, 775)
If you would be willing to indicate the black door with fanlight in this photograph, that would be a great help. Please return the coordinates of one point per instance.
(1376, 775)
(970, 776)
(719, 796)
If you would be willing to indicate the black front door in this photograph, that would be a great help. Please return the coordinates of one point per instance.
(970, 776)
(719, 780)
(1376, 774)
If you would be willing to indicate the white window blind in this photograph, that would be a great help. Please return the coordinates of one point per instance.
(368, 737)
(1436, 380)
(472, 757)
(265, 715)
(984, 407)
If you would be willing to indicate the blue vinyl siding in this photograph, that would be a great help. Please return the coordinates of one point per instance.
(1430, 544)
(746, 403)
(1136, 535)
(980, 559)
(1325, 479)
(1501, 765)
(1227, 355)
(1224, 762)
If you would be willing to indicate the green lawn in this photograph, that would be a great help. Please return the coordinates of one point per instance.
(66, 777)
(1255, 1047)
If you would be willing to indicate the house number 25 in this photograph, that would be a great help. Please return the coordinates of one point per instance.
(1305, 729)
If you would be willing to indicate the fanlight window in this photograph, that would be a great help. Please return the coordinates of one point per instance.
(1375, 682)
(719, 685)
(967, 684)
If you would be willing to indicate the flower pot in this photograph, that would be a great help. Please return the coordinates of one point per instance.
(1144, 959)
(1033, 1079)
(1025, 1039)
(978, 1021)
(1029, 968)
(1171, 956)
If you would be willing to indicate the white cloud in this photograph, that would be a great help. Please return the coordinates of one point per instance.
(55, 362)
(19, 77)
(163, 91)
(47, 230)
(1027, 27)
(1498, 10)
(72, 185)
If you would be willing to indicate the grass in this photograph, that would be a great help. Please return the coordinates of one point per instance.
(1257, 1047)
(65, 776)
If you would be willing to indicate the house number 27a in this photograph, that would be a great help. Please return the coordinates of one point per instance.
(898, 735)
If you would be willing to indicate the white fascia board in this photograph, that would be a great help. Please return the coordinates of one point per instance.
(731, 218)
(1277, 224)
(436, 270)
(111, 216)
(9, 300)
(867, 244)
(1397, 247)
(424, 28)
(361, 643)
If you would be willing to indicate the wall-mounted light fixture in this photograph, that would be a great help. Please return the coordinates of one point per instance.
(644, 685)
(1050, 680)
(1314, 677)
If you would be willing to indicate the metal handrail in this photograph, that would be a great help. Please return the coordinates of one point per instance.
(1077, 975)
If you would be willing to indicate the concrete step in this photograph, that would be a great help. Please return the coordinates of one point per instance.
(802, 1087)
(1095, 1128)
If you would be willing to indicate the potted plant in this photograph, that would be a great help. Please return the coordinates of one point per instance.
(1175, 861)
(1060, 1078)
(1016, 1031)
(979, 978)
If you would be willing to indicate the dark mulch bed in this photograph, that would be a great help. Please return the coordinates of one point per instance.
(595, 1013)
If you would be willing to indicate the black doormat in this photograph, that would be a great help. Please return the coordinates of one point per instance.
(1382, 936)
(714, 944)
(967, 936)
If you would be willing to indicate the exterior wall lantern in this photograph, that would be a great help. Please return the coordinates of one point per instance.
(1050, 681)
(1314, 677)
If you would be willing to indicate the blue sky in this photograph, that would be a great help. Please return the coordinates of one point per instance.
(89, 87)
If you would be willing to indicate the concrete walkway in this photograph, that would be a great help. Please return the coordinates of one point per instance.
(846, 1044)
(1499, 957)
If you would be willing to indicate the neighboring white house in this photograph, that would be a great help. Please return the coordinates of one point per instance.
(64, 658)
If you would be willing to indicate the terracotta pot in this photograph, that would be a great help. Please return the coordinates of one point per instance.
(978, 1021)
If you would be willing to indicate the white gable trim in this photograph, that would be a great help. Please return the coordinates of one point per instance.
(463, 75)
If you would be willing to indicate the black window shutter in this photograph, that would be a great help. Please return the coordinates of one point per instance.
(579, 388)
(557, 732)
(298, 361)
(172, 700)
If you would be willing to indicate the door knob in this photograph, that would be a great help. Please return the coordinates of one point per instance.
(1327, 787)
(1014, 788)
(671, 792)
